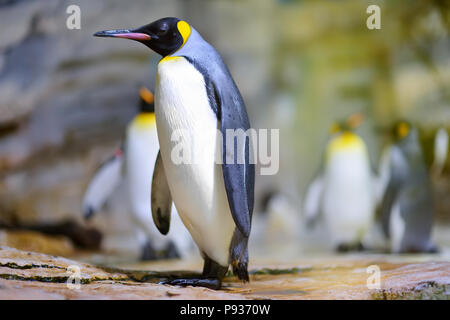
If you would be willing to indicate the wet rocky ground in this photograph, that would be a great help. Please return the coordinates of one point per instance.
(30, 275)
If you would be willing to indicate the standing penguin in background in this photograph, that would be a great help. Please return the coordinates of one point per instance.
(344, 192)
(197, 102)
(133, 165)
(407, 207)
(440, 151)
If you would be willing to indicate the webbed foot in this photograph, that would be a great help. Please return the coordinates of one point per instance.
(147, 252)
(349, 247)
(210, 283)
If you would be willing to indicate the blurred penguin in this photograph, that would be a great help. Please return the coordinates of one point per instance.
(278, 221)
(133, 165)
(407, 207)
(440, 151)
(344, 192)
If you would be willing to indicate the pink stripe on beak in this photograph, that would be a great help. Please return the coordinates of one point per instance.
(132, 36)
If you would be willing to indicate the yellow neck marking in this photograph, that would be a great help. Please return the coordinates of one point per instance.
(169, 58)
(144, 120)
(185, 30)
(346, 141)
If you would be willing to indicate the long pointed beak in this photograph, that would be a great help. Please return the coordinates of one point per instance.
(125, 34)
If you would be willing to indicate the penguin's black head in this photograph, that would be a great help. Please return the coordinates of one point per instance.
(146, 101)
(164, 36)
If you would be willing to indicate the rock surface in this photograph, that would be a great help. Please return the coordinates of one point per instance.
(27, 275)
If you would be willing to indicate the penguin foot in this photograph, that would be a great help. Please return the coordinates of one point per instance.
(88, 213)
(434, 249)
(412, 250)
(211, 283)
(171, 251)
(148, 253)
(348, 247)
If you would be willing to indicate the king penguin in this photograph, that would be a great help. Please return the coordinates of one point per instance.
(440, 151)
(132, 164)
(344, 191)
(407, 206)
(196, 103)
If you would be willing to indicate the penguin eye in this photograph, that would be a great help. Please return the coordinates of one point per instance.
(163, 30)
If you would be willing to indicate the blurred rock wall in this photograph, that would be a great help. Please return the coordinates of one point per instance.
(66, 97)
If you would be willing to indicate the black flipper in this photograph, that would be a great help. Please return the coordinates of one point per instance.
(161, 200)
(389, 198)
(239, 173)
(397, 173)
(239, 177)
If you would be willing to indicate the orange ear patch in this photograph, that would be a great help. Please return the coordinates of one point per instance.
(146, 95)
(184, 29)
(402, 130)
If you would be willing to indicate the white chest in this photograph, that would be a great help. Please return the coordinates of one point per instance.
(348, 198)
(141, 150)
(187, 132)
(350, 169)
